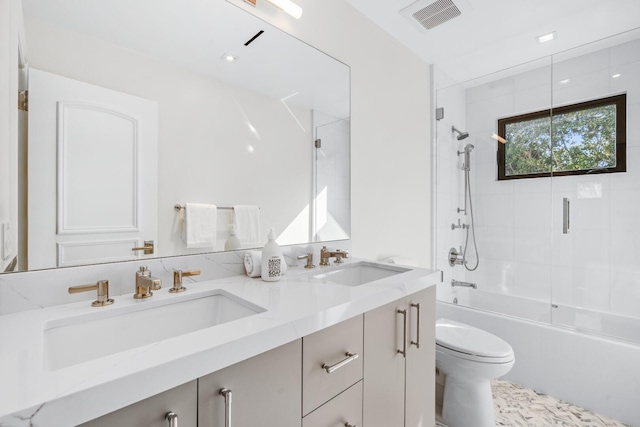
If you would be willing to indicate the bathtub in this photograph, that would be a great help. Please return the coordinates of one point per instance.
(593, 371)
(608, 325)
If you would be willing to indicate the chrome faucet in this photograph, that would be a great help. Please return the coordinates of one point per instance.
(145, 283)
(463, 284)
(326, 254)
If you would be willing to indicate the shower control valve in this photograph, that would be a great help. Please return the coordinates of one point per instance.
(463, 226)
(455, 257)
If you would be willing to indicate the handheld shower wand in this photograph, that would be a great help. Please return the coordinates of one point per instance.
(467, 155)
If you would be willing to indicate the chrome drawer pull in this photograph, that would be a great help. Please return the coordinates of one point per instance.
(417, 341)
(227, 406)
(350, 358)
(403, 352)
(172, 417)
(349, 425)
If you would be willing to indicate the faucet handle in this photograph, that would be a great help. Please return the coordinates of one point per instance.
(102, 286)
(309, 257)
(340, 255)
(177, 279)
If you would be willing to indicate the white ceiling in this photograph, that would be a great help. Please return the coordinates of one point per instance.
(194, 34)
(492, 35)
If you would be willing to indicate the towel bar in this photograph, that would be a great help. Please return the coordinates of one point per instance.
(178, 208)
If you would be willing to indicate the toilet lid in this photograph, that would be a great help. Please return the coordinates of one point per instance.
(469, 340)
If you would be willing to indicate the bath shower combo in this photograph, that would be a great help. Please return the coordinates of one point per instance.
(455, 256)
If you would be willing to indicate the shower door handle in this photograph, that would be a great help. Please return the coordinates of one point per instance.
(565, 215)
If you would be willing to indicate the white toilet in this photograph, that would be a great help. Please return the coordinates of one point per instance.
(470, 358)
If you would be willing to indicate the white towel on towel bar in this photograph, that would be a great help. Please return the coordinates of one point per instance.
(200, 223)
(247, 220)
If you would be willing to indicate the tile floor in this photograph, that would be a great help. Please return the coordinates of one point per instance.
(517, 406)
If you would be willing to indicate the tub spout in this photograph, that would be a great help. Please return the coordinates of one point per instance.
(463, 284)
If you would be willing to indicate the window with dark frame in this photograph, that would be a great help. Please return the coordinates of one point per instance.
(577, 139)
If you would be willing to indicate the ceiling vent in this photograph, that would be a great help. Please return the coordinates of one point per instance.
(425, 15)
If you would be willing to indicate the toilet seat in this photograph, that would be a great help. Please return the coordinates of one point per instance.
(469, 343)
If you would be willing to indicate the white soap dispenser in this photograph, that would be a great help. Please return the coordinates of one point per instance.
(272, 260)
(232, 243)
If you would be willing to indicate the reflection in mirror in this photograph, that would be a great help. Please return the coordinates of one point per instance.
(136, 106)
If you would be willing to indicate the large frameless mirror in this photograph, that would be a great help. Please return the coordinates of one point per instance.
(138, 106)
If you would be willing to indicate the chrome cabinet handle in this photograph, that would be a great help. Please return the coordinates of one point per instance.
(565, 215)
(350, 358)
(417, 341)
(403, 352)
(172, 417)
(227, 406)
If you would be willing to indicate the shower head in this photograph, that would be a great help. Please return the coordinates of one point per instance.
(461, 135)
(468, 147)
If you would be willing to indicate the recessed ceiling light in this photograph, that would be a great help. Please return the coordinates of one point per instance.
(546, 37)
(615, 76)
(564, 82)
(229, 57)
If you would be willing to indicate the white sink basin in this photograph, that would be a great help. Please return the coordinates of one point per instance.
(360, 273)
(78, 339)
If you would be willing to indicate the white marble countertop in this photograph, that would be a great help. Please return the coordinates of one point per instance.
(293, 307)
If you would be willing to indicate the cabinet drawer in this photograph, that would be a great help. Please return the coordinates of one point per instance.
(329, 347)
(342, 409)
(151, 412)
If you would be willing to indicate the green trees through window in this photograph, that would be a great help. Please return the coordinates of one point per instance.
(588, 137)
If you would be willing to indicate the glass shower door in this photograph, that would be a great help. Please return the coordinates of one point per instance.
(596, 274)
(507, 217)
(331, 206)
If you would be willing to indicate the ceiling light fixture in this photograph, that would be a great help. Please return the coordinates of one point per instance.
(564, 82)
(615, 76)
(229, 57)
(546, 37)
(286, 6)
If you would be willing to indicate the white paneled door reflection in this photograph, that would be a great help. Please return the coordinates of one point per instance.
(92, 172)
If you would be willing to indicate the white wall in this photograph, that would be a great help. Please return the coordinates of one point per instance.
(9, 27)
(202, 124)
(390, 126)
(522, 248)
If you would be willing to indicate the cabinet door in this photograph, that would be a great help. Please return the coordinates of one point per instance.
(152, 412)
(265, 391)
(344, 409)
(384, 367)
(420, 363)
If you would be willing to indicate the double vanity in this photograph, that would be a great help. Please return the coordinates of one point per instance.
(228, 350)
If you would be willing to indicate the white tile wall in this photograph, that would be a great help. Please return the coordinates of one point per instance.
(519, 222)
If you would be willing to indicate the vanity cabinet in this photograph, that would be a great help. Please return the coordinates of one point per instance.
(349, 374)
(399, 389)
(265, 391)
(152, 412)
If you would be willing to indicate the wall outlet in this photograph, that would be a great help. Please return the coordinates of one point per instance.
(7, 245)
